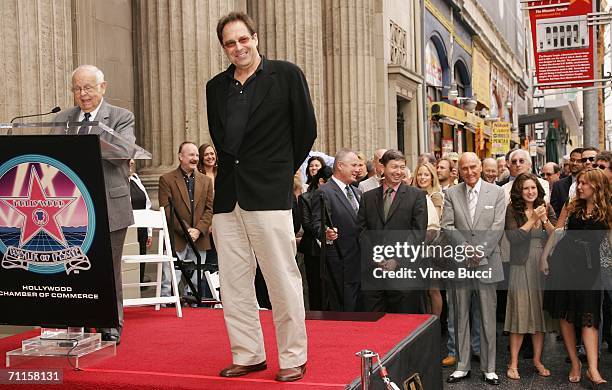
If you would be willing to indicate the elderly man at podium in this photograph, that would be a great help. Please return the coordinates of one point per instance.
(88, 87)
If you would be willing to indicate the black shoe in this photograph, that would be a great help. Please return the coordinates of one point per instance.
(456, 379)
(494, 381)
(106, 336)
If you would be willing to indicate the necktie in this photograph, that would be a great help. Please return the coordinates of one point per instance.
(351, 198)
(472, 200)
(387, 201)
(85, 129)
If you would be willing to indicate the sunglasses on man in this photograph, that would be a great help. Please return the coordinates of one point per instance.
(603, 167)
(585, 159)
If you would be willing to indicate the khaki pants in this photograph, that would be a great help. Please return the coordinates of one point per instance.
(241, 237)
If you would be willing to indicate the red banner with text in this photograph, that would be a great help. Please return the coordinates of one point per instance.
(562, 42)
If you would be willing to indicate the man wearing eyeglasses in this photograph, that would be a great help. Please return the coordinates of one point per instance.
(88, 87)
(262, 123)
(520, 162)
(560, 190)
(603, 161)
(552, 173)
(588, 156)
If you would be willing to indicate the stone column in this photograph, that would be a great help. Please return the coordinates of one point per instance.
(292, 30)
(102, 35)
(36, 42)
(350, 74)
(178, 52)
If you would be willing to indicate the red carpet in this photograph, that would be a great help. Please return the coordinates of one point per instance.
(160, 351)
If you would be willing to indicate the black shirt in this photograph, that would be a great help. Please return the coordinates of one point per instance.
(239, 101)
(190, 183)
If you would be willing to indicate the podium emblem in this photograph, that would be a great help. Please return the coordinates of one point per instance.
(47, 217)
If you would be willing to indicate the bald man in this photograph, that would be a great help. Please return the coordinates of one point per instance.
(552, 173)
(374, 181)
(489, 170)
(474, 213)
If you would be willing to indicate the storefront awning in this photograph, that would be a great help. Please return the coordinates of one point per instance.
(445, 110)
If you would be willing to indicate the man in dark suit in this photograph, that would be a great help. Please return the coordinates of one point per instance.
(192, 195)
(394, 206)
(262, 123)
(342, 202)
(560, 190)
(88, 87)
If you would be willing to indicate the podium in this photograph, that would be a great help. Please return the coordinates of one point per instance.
(56, 268)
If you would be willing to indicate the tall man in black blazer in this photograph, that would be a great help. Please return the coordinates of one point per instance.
(342, 203)
(394, 206)
(262, 123)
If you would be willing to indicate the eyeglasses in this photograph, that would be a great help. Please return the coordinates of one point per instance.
(603, 167)
(519, 161)
(585, 159)
(242, 40)
(87, 89)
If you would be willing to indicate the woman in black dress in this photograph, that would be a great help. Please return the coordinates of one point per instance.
(574, 285)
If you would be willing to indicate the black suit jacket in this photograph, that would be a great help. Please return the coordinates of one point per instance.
(408, 211)
(344, 219)
(560, 193)
(279, 134)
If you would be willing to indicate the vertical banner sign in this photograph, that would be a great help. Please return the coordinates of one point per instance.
(500, 137)
(481, 77)
(480, 140)
(563, 44)
(55, 257)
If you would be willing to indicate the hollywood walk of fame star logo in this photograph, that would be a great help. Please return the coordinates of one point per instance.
(39, 211)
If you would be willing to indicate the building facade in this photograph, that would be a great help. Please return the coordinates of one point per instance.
(362, 60)
(476, 72)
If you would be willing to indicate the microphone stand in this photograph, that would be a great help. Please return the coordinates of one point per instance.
(53, 111)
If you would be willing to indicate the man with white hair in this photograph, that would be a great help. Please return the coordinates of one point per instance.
(374, 181)
(520, 162)
(502, 170)
(88, 87)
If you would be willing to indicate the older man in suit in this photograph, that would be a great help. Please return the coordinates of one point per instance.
(474, 213)
(342, 204)
(392, 207)
(192, 195)
(262, 123)
(88, 87)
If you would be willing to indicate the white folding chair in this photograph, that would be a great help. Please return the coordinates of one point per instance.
(157, 221)
(215, 287)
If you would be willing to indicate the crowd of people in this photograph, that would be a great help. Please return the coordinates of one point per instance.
(529, 212)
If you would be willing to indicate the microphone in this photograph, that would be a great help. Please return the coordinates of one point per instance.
(53, 111)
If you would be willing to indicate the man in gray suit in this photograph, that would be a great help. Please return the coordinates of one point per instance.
(474, 213)
(88, 86)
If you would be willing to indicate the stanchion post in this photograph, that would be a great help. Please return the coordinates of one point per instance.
(366, 367)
